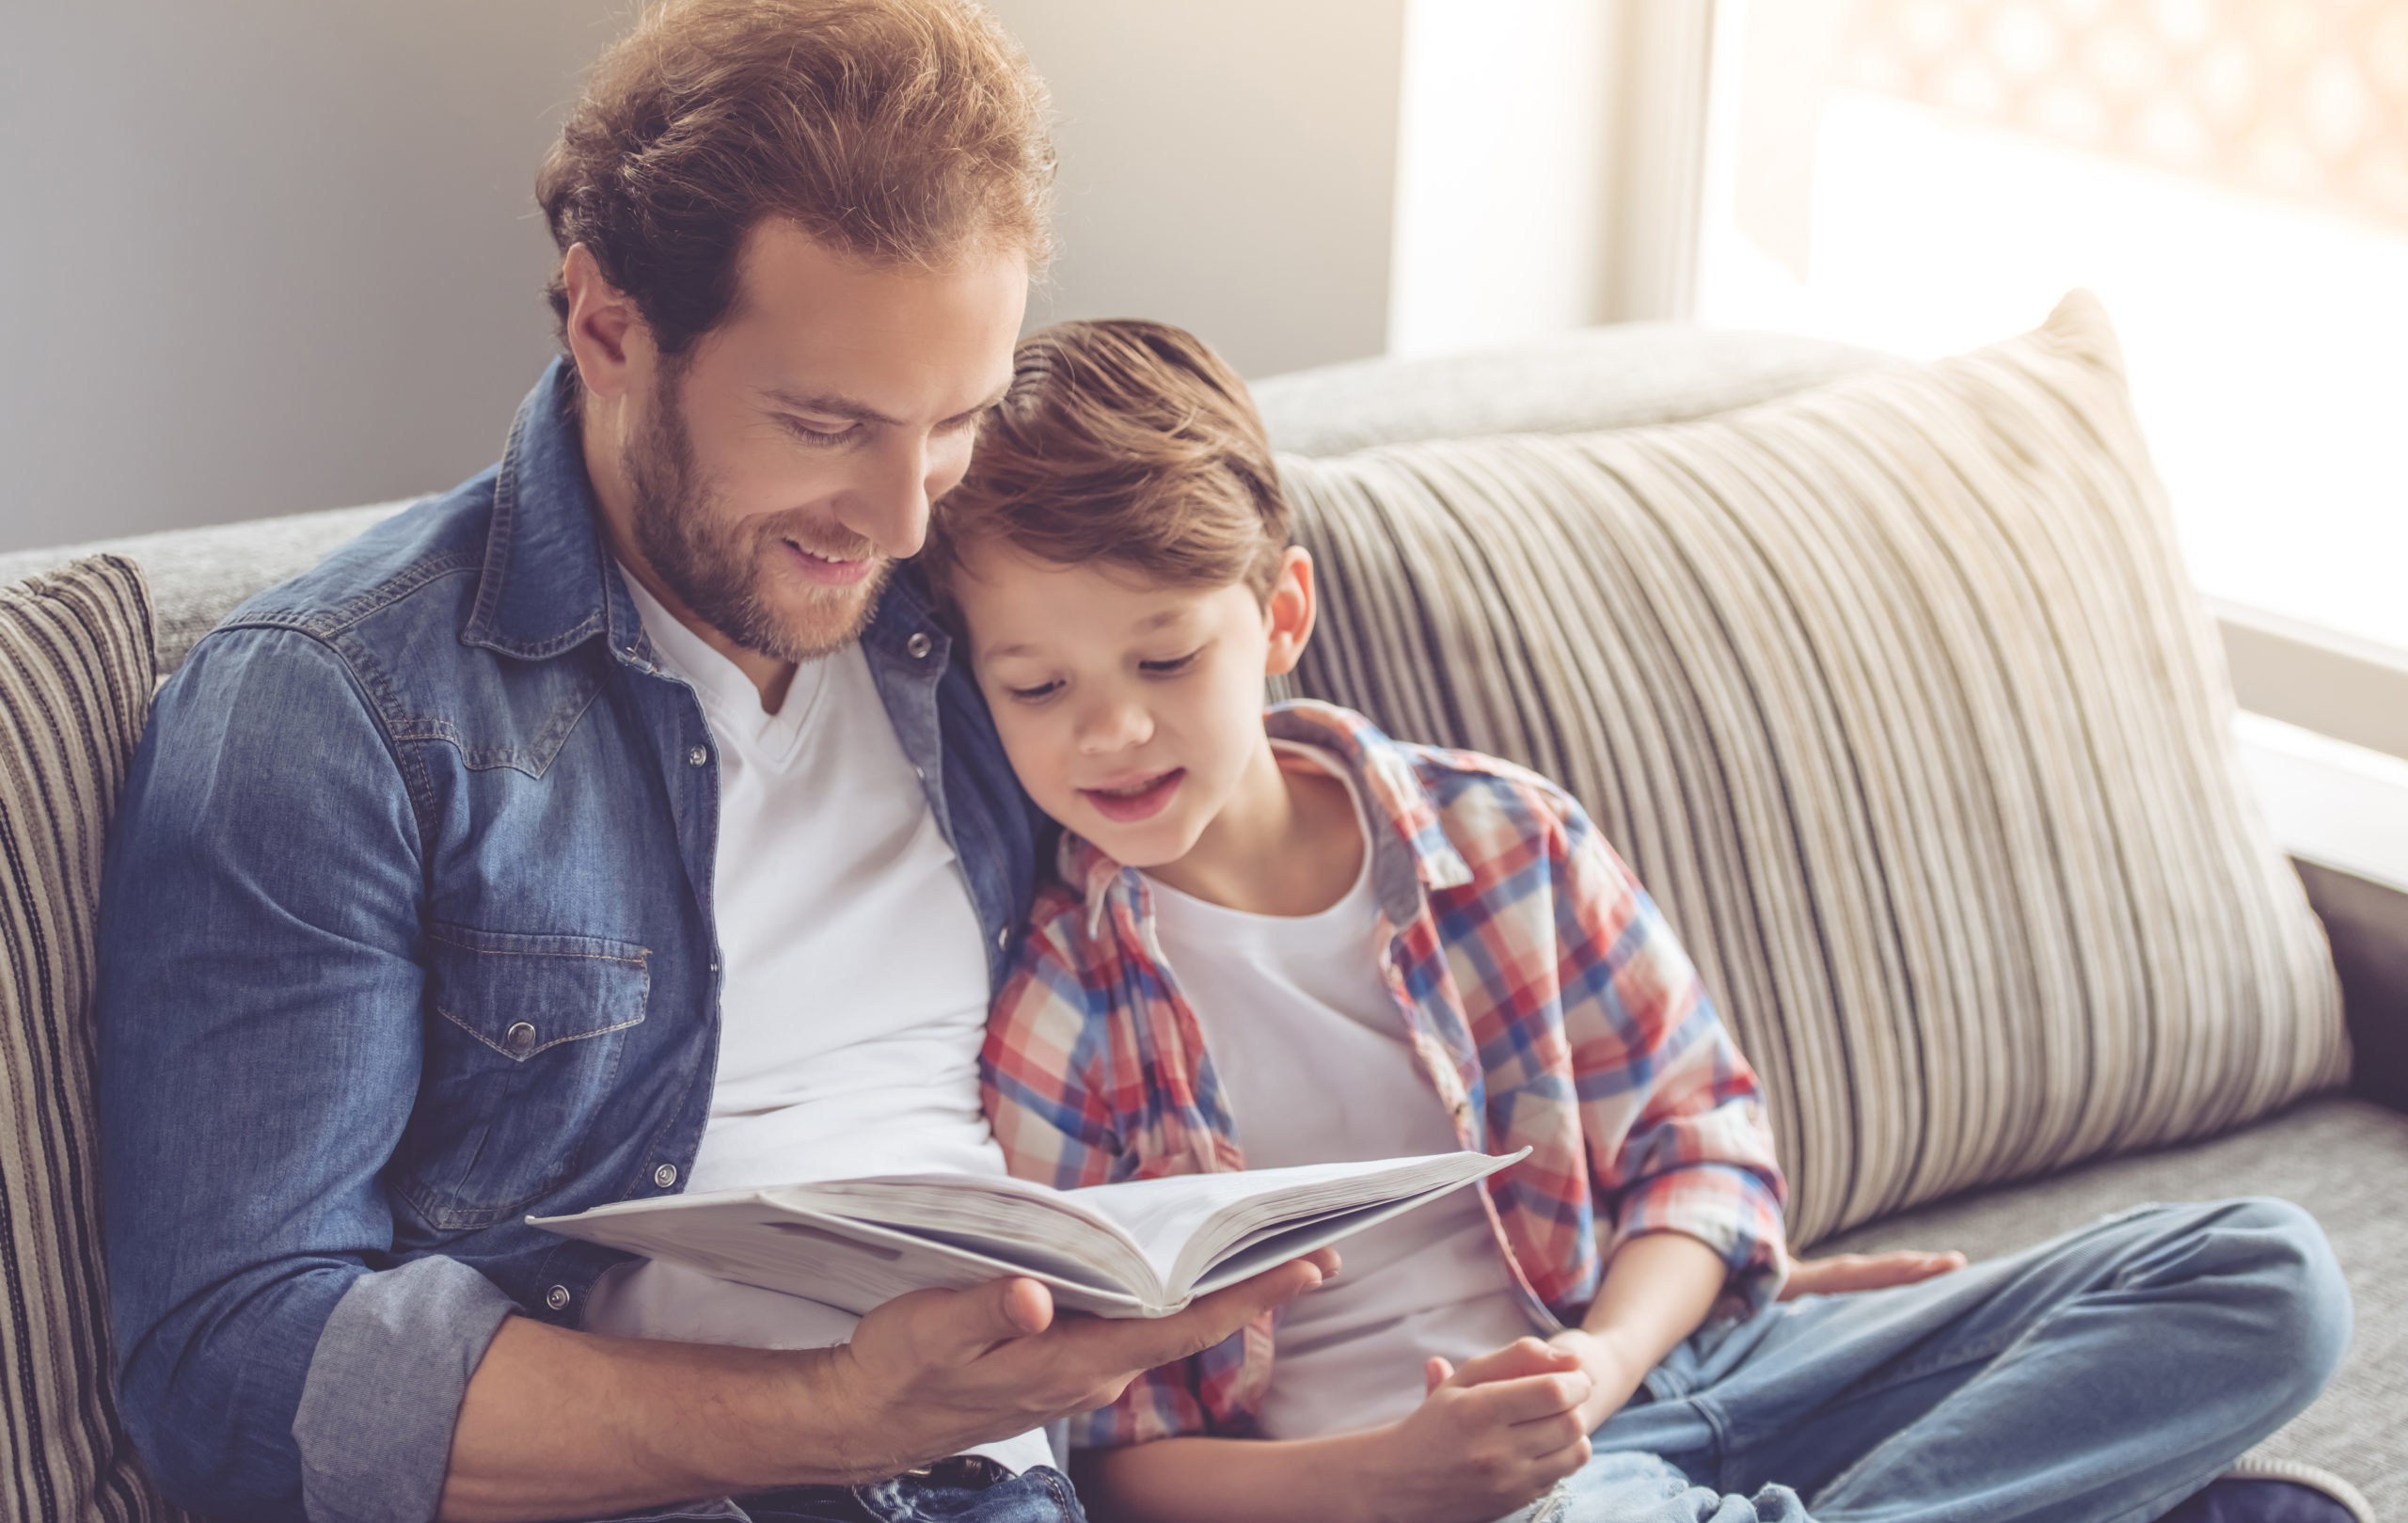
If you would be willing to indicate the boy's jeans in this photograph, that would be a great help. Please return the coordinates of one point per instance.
(2099, 1378)
(986, 1493)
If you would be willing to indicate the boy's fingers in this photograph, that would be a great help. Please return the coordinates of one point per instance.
(1530, 1398)
(1435, 1372)
(1548, 1434)
(1520, 1357)
(1846, 1272)
(1555, 1464)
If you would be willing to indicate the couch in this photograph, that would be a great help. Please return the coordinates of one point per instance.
(1450, 504)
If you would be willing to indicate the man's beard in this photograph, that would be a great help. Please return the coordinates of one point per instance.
(719, 567)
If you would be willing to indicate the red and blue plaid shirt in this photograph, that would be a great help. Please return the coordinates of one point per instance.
(1547, 1002)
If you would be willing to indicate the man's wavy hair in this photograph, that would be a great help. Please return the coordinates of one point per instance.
(901, 133)
(1124, 443)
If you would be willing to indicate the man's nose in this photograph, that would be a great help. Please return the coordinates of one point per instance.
(888, 504)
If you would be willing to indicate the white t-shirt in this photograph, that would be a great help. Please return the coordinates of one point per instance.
(853, 996)
(1317, 1067)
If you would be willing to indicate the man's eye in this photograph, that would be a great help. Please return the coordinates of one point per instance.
(820, 438)
(1037, 694)
(1171, 667)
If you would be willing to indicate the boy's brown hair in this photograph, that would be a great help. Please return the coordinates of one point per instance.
(1125, 442)
(898, 132)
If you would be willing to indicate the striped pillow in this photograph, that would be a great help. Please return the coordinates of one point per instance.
(1894, 694)
(75, 690)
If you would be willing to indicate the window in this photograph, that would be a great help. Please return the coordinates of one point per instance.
(2230, 176)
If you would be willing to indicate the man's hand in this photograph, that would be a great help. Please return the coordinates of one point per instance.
(1487, 1438)
(934, 1373)
(1865, 1272)
(564, 1424)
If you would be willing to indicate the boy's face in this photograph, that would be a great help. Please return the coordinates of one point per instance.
(1133, 711)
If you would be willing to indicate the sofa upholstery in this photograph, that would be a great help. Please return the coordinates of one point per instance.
(1893, 694)
(75, 664)
(2345, 1159)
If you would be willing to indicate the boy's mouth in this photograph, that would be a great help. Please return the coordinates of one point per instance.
(1141, 800)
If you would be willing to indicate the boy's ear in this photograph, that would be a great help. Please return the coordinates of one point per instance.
(1288, 611)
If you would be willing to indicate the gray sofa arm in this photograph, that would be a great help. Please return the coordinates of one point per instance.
(2368, 925)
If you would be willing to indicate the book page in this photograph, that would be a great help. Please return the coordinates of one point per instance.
(1116, 1250)
(1187, 1222)
(755, 1238)
(1043, 1227)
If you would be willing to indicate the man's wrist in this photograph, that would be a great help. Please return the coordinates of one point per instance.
(793, 1419)
(839, 1432)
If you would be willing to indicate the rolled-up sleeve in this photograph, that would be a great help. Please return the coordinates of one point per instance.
(374, 1425)
(260, 1044)
(1673, 1114)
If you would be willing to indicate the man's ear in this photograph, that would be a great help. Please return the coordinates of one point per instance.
(1287, 613)
(607, 336)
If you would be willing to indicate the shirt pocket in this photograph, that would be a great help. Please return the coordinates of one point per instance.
(524, 1038)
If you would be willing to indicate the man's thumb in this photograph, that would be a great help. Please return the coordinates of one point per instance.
(997, 1312)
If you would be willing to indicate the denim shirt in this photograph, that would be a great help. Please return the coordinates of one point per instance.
(406, 934)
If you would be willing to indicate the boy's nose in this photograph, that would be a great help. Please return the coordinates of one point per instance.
(1113, 724)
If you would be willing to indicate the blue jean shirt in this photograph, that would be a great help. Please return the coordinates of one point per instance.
(406, 933)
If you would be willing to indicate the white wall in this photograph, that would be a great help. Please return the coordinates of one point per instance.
(261, 255)
(1548, 164)
(1504, 177)
(1227, 166)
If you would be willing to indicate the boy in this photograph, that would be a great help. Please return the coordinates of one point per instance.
(1287, 938)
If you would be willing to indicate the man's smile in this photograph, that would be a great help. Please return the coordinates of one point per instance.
(827, 570)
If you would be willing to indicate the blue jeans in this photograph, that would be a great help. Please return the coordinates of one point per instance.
(988, 1495)
(2099, 1378)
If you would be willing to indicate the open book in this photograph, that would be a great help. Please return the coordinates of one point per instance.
(1144, 1248)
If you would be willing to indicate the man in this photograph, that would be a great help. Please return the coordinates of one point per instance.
(614, 825)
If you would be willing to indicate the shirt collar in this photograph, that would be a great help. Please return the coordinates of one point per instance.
(543, 588)
(1410, 852)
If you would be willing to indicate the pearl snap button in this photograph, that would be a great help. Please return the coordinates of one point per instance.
(665, 1176)
(1002, 936)
(697, 756)
(557, 1298)
(520, 1036)
(918, 646)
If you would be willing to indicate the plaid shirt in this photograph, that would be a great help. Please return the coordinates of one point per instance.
(1546, 1000)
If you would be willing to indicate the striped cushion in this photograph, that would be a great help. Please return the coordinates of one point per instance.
(74, 688)
(1894, 694)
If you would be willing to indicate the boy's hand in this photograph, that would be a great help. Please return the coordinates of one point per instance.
(1865, 1272)
(1488, 1437)
(1613, 1373)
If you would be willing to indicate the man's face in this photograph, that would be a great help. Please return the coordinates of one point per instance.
(780, 466)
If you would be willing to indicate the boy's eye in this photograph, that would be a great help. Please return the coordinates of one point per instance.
(1031, 695)
(1171, 667)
